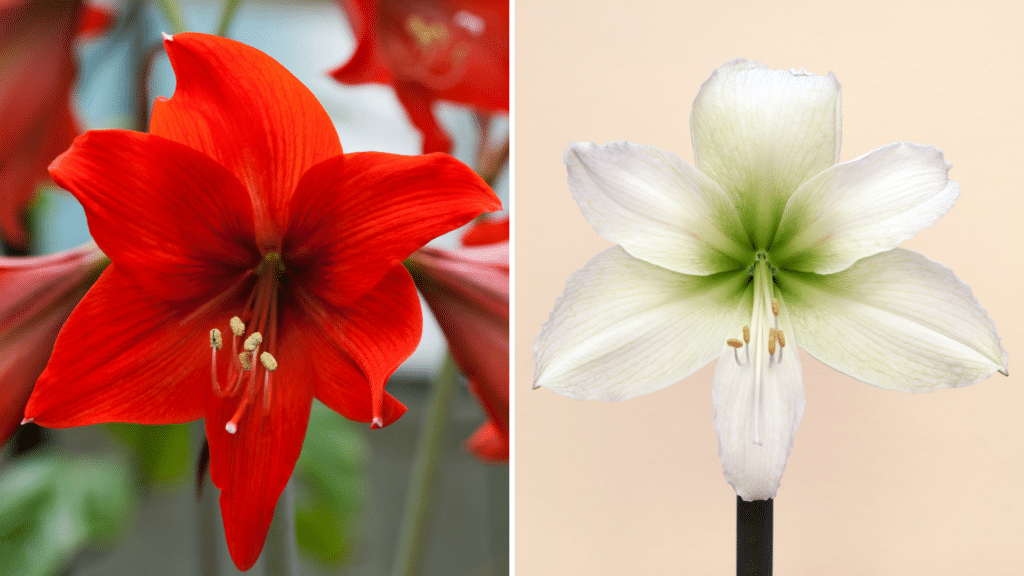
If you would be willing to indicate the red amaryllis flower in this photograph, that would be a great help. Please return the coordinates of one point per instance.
(467, 289)
(36, 295)
(429, 50)
(254, 267)
(37, 71)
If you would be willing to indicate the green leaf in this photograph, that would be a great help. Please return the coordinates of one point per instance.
(53, 505)
(162, 452)
(331, 484)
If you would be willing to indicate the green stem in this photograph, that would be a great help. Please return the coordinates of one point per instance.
(230, 8)
(170, 10)
(423, 481)
(281, 557)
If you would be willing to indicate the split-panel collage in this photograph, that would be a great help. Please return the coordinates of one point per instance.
(490, 288)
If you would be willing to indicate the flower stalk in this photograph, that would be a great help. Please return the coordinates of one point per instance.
(754, 525)
(419, 503)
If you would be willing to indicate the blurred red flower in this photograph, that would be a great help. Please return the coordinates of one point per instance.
(430, 50)
(239, 212)
(37, 72)
(38, 294)
(467, 289)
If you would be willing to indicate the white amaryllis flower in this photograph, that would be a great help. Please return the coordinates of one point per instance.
(766, 244)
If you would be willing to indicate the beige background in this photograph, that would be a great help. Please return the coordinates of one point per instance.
(879, 482)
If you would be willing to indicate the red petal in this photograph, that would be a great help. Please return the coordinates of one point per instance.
(418, 102)
(240, 107)
(38, 294)
(356, 217)
(171, 218)
(489, 443)
(358, 347)
(367, 64)
(22, 362)
(470, 300)
(37, 71)
(486, 231)
(252, 466)
(96, 20)
(124, 356)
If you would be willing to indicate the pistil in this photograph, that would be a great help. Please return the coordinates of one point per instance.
(259, 320)
(765, 336)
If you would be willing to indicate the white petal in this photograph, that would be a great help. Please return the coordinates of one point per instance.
(755, 469)
(761, 133)
(657, 207)
(896, 320)
(625, 327)
(863, 207)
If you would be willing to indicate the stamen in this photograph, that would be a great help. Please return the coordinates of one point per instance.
(771, 341)
(270, 364)
(254, 340)
(268, 361)
(781, 337)
(775, 306)
(237, 326)
(731, 342)
(216, 342)
(246, 359)
(746, 334)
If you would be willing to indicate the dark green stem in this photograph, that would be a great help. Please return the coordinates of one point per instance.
(754, 537)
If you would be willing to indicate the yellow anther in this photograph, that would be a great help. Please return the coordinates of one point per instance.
(781, 337)
(771, 341)
(215, 339)
(775, 306)
(246, 359)
(237, 326)
(268, 361)
(746, 334)
(254, 340)
(734, 343)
